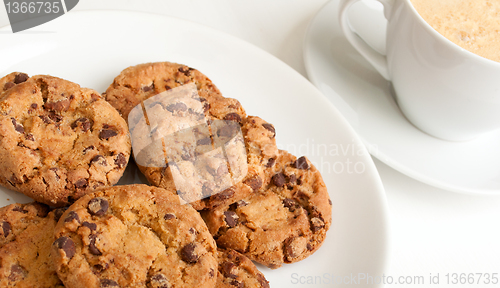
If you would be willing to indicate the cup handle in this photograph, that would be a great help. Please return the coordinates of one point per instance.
(377, 60)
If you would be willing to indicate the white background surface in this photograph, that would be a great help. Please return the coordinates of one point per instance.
(432, 231)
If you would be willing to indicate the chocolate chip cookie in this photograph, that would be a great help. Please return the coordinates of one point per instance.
(133, 236)
(138, 83)
(284, 222)
(26, 235)
(207, 127)
(58, 141)
(236, 270)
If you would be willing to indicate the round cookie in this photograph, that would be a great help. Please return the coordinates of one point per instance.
(26, 235)
(236, 270)
(133, 236)
(138, 83)
(284, 222)
(59, 141)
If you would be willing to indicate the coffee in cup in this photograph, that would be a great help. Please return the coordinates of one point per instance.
(471, 24)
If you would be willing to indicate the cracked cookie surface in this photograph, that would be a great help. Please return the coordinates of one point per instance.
(133, 236)
(58, 141)
(284, 222)
(236, 270)
(26, 235)
(138, 83)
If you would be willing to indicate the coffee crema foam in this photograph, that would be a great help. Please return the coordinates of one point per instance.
(471, 24)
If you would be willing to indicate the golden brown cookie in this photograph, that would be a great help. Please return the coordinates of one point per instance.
(133, 236)
(284, 222)
(58, 141)
(26, 235)
(143, 83)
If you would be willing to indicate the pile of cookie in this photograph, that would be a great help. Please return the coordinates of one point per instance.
(66, 147)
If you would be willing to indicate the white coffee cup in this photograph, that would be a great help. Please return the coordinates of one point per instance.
(443, 89)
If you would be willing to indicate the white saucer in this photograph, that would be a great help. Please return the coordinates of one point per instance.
(365, 100)
(91, 48)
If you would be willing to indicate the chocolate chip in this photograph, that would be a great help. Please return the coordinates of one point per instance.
(192, 231)
(19, 128)
(317, 224)
(185, 70)
(34, 106)
(206, 107)
(67, 245)
(167, 87)
(92, 246)
(227, 268)
(270, 162)
(226, 194)
(6, 228)
(45, 119)
(148, 88)
(98, 206)
(236, 283)
(72, 216)
(58, 213)
(20, 78)
(301, 163)
(226, 131)
(290, 204)
(241, 203)
(91, 226)
(270, 128)
(330, 202)
(99, 268)
(29, 137)
(54, 117)
(19, 209)
(159, 281)
(8, 85)
(204, 141)
(81, 183)
(62, 105)
(55, 169)
(188, 254)
(169, 216)
(233, 117)
(83, 123)
(211, 273)
(255, 182)
(278, 179)
(105, 134)
(120, 160)
(309, 247)
(181, 107)
(88, 149)
(108, 283)
(99, 159)
(231, 218)
(17, 273)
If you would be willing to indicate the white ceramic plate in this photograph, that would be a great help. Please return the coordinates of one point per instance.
(91, 48)
(364, 99)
